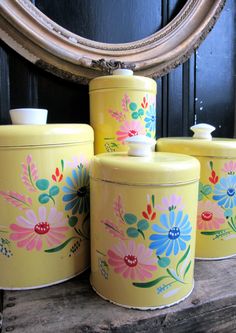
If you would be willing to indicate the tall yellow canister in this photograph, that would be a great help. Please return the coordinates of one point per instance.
(143, 216)
(44, 200)
(122, 105)
(216, 219)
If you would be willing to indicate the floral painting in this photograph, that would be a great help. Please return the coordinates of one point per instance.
(217, 202)
(152, 249)
(54, 211)
(133, 118)
(32, 230)
(172, 235)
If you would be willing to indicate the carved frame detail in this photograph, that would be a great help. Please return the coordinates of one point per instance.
(65, 54)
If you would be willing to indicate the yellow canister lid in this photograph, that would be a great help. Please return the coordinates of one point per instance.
(201, 144)
(121, 79)
(155, 169)
(50, 134)
(217, 147)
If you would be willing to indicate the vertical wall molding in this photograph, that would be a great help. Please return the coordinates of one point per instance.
(4, 87)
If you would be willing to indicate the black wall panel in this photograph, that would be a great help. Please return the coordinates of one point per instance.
(202, 89)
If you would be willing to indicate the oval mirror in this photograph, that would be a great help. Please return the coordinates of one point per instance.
(47, 44)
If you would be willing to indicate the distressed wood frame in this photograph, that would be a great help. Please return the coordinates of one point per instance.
(67, 55)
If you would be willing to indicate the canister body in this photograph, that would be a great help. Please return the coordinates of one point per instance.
(121, 107)
(44, 228)
(143, 242)
(216, 218)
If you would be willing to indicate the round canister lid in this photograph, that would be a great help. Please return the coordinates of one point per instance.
(201, 144)
(156, 169)
(50, 134)
(123, 81)
(217, 147)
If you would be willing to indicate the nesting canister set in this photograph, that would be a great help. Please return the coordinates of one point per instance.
(138, 212)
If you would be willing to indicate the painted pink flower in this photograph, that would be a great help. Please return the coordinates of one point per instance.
(230, 168)
(171, 203)
(29, 174)
(32, 231)
(119, 116)
(210, 215)
(125, 102)
(133, 261)
(130, 128)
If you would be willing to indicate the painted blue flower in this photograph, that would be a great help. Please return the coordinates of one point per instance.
(77, 191)
(225, 192)
(172, 235)
(150, 118)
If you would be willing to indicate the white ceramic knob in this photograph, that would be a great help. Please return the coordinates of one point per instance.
(123, 71)
(140, 145)
(202, 131)
(28, 116)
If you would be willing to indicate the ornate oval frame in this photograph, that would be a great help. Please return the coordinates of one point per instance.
(55, 49)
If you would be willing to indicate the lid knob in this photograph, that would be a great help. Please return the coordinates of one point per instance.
(123, 71)
(140, 145)
(202, 131)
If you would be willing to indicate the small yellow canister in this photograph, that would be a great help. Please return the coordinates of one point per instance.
(216, 219)
(121, 105)
(143, 216)
(44, 200)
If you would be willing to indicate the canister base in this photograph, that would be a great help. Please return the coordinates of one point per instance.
(142, 308)
(46, 285)
(217, 258)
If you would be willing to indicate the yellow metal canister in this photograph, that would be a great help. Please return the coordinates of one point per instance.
(216, 219)
(121, 105)
(44, 200)
(143, 216)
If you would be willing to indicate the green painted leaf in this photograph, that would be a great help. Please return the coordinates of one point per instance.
(133, 106)
(44, 198)
(163, 262)
(73, 221)
(207, 189)
(153, 200)
(140, 112)
(183, 258)
(54, 190)
(42, 184)
(141, 233)
(143, 225)
(135, 115)
(62, 165)
(211, 165)
(213, 232)
(204, 190)
(232, 224)
(61, 246)
(130, 218)
(200, 196)
(174, 275)
(150, 283)
(132, 232)
(187, 268)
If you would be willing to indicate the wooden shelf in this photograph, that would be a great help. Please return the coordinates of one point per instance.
(74, 307)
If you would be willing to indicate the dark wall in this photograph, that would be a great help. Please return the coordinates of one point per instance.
(202, 89)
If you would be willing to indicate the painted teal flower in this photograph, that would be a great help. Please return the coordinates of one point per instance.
(77, 191)
(172, 235)
(225, 192)
(150, 118)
